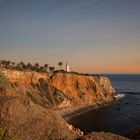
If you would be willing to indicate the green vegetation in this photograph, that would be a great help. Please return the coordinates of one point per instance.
(2, 133)
(46, 67)
(51, 69)
(4, 82)
(37, 67)
(32, 97)
(60, 64)
(22, 66)
(43, 88)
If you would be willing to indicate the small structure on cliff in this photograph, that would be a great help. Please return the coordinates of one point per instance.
(67, 67)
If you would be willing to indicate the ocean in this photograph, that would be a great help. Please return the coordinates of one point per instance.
(120, 117)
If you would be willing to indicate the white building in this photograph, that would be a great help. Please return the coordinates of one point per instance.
(67, 67)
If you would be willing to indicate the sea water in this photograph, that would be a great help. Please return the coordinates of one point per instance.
(120, 117)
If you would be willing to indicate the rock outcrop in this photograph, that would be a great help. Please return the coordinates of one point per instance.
(102, 136)
(83, 90)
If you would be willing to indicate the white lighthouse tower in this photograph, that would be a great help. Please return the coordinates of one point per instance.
(67, 67)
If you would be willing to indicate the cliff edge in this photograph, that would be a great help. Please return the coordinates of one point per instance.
(62, 91)
(31, 103)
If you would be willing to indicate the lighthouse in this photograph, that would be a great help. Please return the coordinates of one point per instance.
(67, 67)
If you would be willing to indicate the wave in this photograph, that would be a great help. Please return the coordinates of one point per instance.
(120, 96)
(125, 92)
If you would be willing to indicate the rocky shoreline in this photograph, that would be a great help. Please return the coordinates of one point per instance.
(70, 112)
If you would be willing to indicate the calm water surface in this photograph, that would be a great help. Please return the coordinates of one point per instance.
(119, 117)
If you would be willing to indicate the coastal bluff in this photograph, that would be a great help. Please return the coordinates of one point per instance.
(62, 91)
(32, 108)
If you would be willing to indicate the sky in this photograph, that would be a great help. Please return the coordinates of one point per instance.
(94, 36)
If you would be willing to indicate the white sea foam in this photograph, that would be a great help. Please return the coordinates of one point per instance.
(120, 96)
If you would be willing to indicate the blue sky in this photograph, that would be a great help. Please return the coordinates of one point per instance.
(93, 35)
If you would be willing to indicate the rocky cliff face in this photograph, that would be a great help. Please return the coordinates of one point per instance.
(83, 89)
(62, 90)
(28, 108)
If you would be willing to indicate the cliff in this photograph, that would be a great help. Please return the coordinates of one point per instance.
(29, 107)
(62, 90)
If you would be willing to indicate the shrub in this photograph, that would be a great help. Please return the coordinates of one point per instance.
(4, 82)
(73, 72)
(2, 133)
(32, 97)
(60, 71)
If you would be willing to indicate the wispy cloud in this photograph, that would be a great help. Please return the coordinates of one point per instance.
(97, 29)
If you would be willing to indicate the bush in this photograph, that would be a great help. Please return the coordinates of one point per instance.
(32, 97)
(2, 133)
(73, 72)
(60, 71)
(4, 82)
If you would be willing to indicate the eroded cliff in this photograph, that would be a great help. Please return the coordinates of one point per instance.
(29, 108)
(62, 90)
